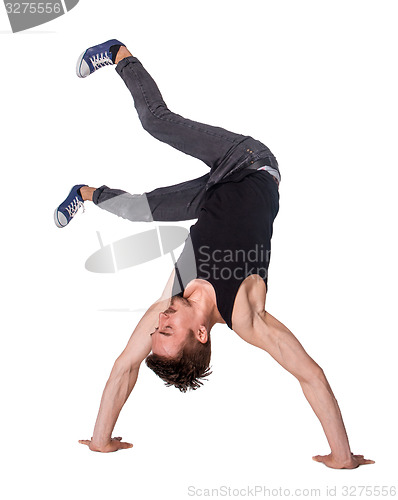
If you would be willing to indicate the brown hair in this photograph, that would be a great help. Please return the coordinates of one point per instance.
(186, 370)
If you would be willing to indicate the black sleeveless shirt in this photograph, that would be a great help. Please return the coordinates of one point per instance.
(231, 238)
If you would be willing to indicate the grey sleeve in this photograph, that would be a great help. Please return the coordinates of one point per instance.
(171, 203)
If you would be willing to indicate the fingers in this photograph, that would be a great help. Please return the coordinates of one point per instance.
(362, 460)
(124, 446)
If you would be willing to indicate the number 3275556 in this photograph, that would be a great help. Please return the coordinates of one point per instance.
(33, 8)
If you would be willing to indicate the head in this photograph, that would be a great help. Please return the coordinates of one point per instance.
(181, 347)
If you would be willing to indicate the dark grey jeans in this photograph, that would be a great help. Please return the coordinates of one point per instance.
(226, 154)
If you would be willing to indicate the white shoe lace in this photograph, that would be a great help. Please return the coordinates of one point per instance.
(74, 206)
(100, 60)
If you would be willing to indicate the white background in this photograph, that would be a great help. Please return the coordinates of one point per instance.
(316, 81)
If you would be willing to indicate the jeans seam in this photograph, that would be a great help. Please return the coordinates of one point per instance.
(154, 196)
(174, 121)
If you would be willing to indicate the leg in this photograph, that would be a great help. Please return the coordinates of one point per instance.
(207, 143)
(226, 153)
(171, 203)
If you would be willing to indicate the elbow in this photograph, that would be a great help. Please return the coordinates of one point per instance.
(121, 368)
(314, 375)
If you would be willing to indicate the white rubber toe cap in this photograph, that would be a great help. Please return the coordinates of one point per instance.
(60, 219)
(82, 68)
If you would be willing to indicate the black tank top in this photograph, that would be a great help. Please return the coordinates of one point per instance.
(231, 238)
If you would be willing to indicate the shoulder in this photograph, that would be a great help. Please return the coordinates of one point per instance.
(249, 301)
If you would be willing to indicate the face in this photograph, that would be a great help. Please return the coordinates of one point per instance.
(173, 328)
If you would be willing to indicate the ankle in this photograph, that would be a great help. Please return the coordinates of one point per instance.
(122, 54)
(87, 193)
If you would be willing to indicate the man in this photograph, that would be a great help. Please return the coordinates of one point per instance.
(221, 275)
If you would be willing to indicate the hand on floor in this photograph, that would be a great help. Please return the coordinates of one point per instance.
(114, 444)
(330, 461)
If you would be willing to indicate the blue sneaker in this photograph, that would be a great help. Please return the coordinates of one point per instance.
(95, 58)
(69, 207)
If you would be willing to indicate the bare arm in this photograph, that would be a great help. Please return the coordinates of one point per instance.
(124, 376)
(267, 333)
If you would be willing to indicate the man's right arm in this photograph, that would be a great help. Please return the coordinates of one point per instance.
(124, 376)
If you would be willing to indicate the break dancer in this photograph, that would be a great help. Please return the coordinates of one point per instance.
(221, 274)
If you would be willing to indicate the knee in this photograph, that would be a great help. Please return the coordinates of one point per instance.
(146, 119)
(151, 117)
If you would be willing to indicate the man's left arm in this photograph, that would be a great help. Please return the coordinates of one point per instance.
(267, 333)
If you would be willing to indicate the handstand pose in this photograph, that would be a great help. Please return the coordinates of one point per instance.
(221, 275)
